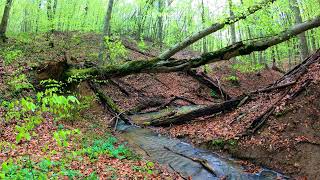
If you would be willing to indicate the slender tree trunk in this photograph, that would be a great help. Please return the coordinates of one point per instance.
(38, 15)
(204, 40)
(106, 31)
(160, 23)
(4, 21)
(232, 34)
(232, 26)
(313, 40)
(51, 11)
(289, 55)
(302, 37)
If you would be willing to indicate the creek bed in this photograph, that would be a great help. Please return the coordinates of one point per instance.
(187, 160)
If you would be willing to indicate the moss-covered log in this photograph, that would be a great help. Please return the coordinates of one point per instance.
(178, 115)
(109, 103)
(171, 65)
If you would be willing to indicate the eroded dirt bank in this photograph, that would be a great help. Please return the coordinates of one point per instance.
(289, 138)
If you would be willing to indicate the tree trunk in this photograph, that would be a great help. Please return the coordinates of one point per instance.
(232, 26)
(51, 11)
(204, 40)
(302, 37)
(160, 23)
(4, 21)
(177, 115)
(159, 65)
(106, 31)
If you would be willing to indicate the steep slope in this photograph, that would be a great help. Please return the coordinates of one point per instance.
(279, 129)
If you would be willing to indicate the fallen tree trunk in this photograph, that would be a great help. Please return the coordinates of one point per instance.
(296, 72)
(206, 80)
(109, 103)
(213, 28)
(178, 115)
(171, 65)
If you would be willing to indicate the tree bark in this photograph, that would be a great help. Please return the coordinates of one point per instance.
(106, 31)
(232, 26)
(206, 80)
(204, 40)
(4, 21)
(213, 28)
(109, 103)
(303, 46)
(158, 65)
(182, 114)
(160, 23)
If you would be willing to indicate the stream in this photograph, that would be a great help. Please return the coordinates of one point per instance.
(185, 159)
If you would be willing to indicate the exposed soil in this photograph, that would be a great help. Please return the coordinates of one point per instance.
(247, 82)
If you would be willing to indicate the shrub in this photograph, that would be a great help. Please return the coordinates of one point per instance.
(116, 49)
(233, 79)
(11, 55)
(19, 83)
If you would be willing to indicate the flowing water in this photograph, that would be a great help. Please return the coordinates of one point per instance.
(183, 158)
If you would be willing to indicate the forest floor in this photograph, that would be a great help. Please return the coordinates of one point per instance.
(287, 142)
(82, 147)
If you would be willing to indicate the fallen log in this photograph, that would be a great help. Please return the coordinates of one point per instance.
(297, 71)
(157, 65)
(178, 115)
(206, 80)
(148, 102)
(109, 103)
(269, 89)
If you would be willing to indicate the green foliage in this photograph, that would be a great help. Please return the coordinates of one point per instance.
(19, 83)
(142, 45)
(45, 169)
(76, 39)
(63, 107)
(207, 69)
(61, 136)
(11, 55)
(28, 111)
(148, 168)
(233, 79)
(116, 50)
(213, 93)
(53, 84)
(105, 147)
(221, 143)
(248, 67)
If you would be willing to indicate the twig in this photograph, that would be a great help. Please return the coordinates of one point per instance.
(203, 162)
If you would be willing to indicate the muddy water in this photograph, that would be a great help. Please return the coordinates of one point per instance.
(183, 158)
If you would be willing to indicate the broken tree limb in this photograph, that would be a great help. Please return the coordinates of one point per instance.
(206, 80)
(268, 89)
(120, 87)
(158, 65)
(204, 163)
(109, 103)
(177, 115)
(297, 71)
(147, 102)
